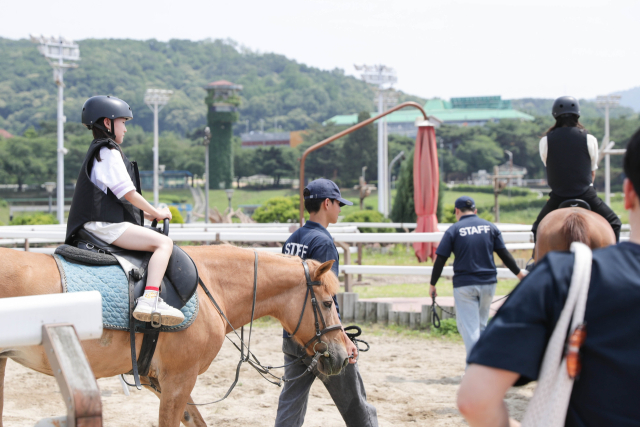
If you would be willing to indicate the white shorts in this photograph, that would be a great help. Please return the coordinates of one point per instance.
(108, 232)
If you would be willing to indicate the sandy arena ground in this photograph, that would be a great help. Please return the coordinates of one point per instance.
(411, 381)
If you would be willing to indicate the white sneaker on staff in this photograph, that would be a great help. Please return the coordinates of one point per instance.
(147, 303)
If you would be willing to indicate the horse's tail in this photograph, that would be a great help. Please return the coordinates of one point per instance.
(574, 229)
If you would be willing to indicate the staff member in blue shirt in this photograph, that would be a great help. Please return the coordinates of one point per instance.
(473, 241)
(323, 201)
(511, 350)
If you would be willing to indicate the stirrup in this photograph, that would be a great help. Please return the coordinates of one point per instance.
(156, 317)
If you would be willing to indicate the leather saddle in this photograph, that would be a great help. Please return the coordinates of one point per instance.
(575, 203)
(180, 280)
(179, 284)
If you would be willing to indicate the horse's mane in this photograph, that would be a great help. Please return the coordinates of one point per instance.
(574, 229)
(330, 282)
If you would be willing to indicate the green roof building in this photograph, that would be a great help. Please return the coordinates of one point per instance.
(471, 111)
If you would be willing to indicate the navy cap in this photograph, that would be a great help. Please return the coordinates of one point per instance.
(465, 202)
(325, 189)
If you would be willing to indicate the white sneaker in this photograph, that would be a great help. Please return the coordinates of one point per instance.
(145, 306)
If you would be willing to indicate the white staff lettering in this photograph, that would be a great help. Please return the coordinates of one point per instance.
(467, 231)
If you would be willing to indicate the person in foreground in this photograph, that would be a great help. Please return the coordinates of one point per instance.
(473, 240)
(322, 200)
(107, 202)
(511, 350)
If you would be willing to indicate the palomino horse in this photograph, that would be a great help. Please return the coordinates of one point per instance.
(561, 227)
(181, 356)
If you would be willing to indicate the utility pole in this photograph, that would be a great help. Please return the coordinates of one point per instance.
(57, 51)
(400, 156)
(510, 154)
(261, 125)
(384, 77)
(205, 142)
(156, 99)
(607, 101)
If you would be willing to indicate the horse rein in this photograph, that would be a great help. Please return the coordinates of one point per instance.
(250, 358)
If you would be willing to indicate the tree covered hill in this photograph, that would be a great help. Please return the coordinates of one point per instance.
(275, 87)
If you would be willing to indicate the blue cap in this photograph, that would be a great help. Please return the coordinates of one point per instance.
(325, 189)
(465, 202)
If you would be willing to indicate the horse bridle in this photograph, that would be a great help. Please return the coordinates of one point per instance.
(317, 313)
(251, 358)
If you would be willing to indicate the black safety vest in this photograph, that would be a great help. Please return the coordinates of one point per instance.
(90, 203)
(568, 162)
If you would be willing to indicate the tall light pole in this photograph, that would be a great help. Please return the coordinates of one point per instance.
(57, 51)
(607, 101)
(205, 142)
(383, 77)
(156, 99)
(400, 156)
(510, 154)
(229, 192)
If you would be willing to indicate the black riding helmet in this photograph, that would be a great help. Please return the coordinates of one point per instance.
(564, 105)
(109, 107)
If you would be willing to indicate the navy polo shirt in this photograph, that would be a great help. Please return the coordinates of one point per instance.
(313, 241)
(605, 393)
(472, 240)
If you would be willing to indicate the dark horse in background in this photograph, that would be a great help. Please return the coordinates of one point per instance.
(563, 226)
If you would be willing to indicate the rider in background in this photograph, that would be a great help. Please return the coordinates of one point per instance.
(108, 204)
(571, 158)
(322, 200)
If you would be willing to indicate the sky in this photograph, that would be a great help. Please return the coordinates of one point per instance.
(450, 48)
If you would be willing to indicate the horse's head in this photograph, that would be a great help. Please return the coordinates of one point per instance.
(305, 319)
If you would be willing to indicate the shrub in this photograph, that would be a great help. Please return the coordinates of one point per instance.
(176, 216)
(279, 209)
(515, 191)
(368, 216)
(34, 219)
(448, 327)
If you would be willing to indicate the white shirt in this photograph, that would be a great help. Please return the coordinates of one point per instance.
(592, 145)
(111, 173)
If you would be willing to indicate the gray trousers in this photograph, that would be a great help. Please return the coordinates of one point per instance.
(472, 311)
(346, 390)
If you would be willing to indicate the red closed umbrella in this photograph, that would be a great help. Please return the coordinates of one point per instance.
(426, 182)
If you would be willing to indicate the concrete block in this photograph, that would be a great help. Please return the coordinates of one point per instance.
(446, 315)
(371, 312)
(403, 318)
(348, 306)
(425, 316)
(361, 311)
(414, 320)
(393, 317)
(383, 312)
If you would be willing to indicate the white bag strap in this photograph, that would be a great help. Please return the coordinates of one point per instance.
(549, 404)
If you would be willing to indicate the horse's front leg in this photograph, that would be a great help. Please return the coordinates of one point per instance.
(175, 393)
(3, 365)
(191, 416)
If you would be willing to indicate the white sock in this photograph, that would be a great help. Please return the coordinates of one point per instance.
(150, 293)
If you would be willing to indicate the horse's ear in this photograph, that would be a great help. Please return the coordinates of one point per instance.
(322, 269)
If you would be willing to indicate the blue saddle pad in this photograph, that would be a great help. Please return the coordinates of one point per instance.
(113, 285)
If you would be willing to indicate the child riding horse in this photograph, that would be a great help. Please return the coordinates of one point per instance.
(571, 158)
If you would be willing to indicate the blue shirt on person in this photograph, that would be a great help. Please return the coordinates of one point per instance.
(605, 393)
(473, 241)
(313, 241)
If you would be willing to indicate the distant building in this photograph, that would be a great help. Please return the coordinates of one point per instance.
(272, 139)
(482, 177)
(5, 134)
(470, 111)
